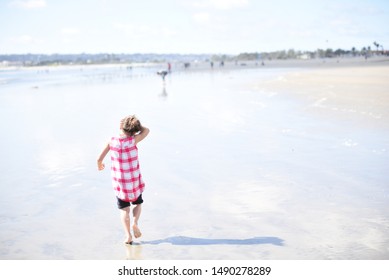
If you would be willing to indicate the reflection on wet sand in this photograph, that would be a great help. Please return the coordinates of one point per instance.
(134, 251)
(163, 93)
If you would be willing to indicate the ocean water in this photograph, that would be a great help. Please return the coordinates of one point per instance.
(225, 160)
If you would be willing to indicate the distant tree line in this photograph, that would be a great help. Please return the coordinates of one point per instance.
(293, 54)
(109, 58)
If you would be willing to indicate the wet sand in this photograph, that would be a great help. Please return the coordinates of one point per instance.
(259, 163)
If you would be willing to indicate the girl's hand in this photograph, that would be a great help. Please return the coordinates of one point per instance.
(100, 165)
(144, 131)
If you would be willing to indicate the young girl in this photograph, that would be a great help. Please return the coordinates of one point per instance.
(126, 177)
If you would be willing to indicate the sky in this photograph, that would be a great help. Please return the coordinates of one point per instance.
(190, 26)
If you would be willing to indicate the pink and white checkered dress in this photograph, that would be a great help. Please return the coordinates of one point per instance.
(126, 178)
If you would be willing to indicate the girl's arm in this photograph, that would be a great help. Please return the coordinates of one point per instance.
(144, 131)
(100, 164)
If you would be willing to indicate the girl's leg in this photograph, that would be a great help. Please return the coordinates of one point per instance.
(136, 213)
(125, 218)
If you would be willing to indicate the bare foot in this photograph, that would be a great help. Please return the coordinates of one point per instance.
(137, 232)
(128, 240)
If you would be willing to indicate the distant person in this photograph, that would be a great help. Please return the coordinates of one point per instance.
(126, 177)
(211, 64)
(163, 74)
(169, 67)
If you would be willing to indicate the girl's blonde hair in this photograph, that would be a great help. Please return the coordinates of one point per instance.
(131, 125)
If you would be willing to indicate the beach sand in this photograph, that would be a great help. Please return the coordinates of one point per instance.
(257, 163)
(353, 93)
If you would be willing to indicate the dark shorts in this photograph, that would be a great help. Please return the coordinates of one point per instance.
(123, 204)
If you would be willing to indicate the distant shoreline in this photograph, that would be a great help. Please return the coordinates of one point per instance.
(288, 63)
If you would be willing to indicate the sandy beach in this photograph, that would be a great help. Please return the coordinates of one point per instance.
(286, 161)
(353, 93)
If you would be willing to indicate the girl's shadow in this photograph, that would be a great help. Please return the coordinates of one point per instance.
(184, 240)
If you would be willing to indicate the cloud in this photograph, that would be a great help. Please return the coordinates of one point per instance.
(70, 31)
(221, 4)
(69, 35)
(167, 32)
(132, 29)
(143, 31)
(306, 33)
(201, 18)
(339, 22)
(29, 4)
(24, 40)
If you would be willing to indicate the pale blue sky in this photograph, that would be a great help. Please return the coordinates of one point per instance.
(192, 26)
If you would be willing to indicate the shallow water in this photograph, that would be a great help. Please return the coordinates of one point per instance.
(226, 165)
